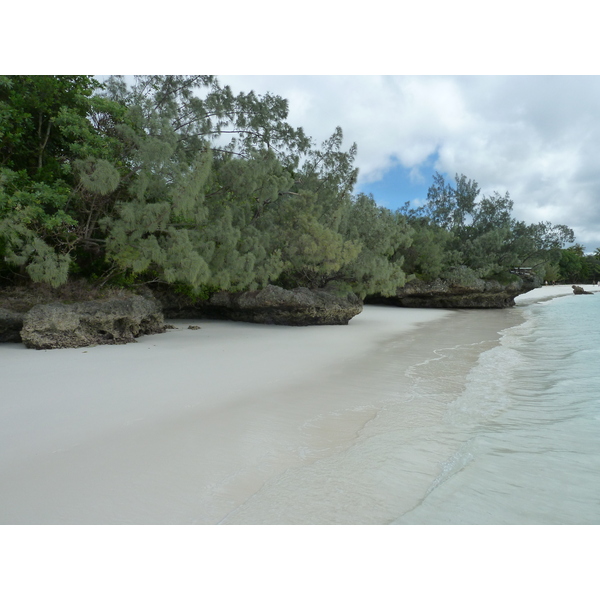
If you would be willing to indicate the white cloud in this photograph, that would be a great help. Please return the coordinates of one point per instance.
(415, 176)
(536, 137)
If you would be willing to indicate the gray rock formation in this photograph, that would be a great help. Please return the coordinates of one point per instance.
(10, 325)
(114, 321)
(273, 305)
(578, 290)
(445, 294)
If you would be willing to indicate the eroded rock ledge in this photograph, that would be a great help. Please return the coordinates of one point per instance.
(114, 321)
(271, 305)
(579, 291)
(48, 325)
(445, 294)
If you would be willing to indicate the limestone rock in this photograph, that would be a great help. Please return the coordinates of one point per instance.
(273, 305)
(578, 290)
(445, 294)
(114, 321)
(278, 306)
(10, 325)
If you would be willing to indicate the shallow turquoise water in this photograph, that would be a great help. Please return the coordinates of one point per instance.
(529, 420)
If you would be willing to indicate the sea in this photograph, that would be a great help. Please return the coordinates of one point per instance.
(499, 424)
(529, 421)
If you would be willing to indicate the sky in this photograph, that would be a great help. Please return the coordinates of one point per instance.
(535, 137)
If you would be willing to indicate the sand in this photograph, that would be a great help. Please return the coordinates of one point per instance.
(188, 426)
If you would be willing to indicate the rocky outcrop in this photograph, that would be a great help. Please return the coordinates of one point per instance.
(10, 325)
(445, 294)
(578, 290)
(272, 305)
(114, 321)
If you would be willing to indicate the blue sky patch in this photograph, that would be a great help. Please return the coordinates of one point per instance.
(401, 184)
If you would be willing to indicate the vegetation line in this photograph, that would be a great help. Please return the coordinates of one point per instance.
(176, 180)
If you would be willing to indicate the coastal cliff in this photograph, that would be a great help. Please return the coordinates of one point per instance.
(271, 305)
(440, 293)
(77, 316)
(43, 319)
(81, 324)
(42, 323)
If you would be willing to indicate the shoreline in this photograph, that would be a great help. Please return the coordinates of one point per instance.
(548, 292)
(189, 426)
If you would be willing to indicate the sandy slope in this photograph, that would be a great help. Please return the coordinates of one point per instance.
(157, 431)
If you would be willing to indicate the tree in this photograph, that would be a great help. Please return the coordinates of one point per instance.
(478, 237)
(593, 266)
(380, 233)
(30, 107)
(247, 194)
(36, 178)
(572, 265)
(539, 244)
(242, 235)
(428, 255)
(449, 207)
(175, 179)
(314, 247)
(199, 111)
(313, 254)
(551, 272)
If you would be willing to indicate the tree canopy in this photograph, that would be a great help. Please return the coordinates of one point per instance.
(177, 180)
(459, 231)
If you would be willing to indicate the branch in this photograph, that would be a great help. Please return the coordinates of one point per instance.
(43, 145)
(227, 113)
(185, 83)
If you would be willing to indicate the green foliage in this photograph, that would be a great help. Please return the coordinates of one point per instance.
(428, 254)
(448, 206)
(198, 110)
(312, 252)
(55, 169)
(573, 266)
(178, 180)
(189, 217)
(458, 229)
(461, 275)
(505, 278)
(541, 243)
(97, 175)
(551, 272)
(593, 267)
(35, 230)
(29, 106)
(378, 268)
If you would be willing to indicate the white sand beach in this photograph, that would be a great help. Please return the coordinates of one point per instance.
(210, 426)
